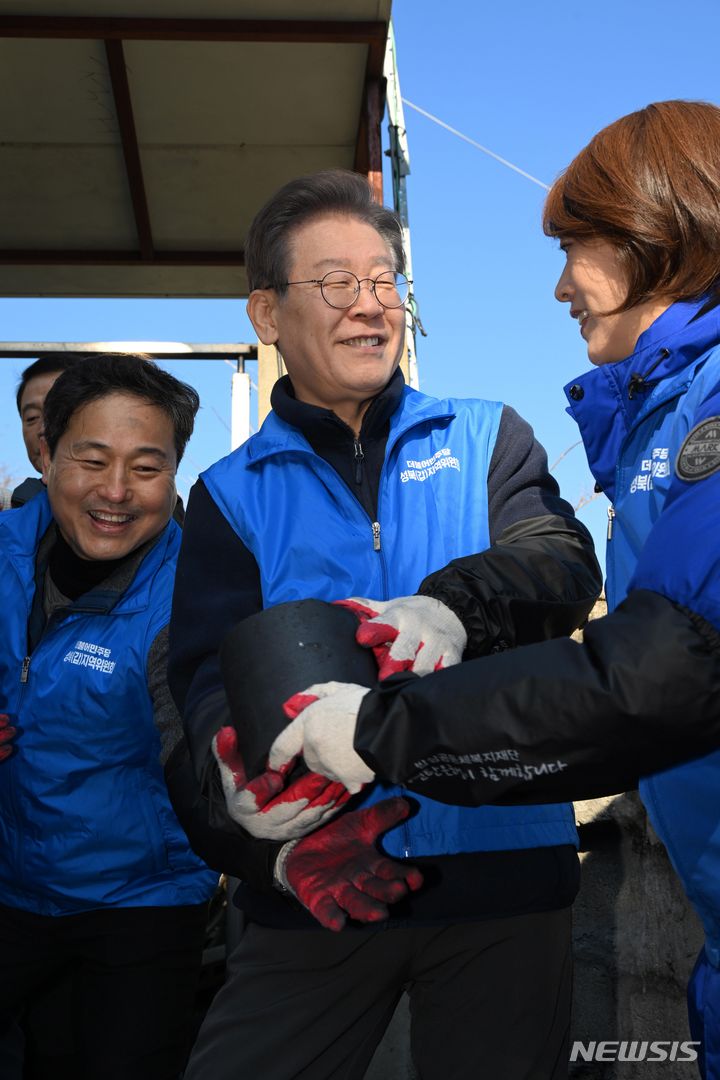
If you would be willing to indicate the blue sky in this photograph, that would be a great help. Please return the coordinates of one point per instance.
(531, 81)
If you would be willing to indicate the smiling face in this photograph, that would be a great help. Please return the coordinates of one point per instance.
(594, 282)
(31, 406)
(337, 359)
(111, 481)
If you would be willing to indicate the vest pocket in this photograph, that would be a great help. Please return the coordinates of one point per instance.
(173, 845)
(156, 860)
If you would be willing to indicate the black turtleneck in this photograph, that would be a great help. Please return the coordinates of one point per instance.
(74, 576)
(357, 459)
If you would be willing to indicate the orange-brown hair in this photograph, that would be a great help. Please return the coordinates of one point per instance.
(649, 184)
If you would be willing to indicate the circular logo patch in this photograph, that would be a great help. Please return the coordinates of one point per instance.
(700, 453)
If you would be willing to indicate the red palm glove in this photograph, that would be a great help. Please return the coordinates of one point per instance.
(338, 871)
(409, 633)
(264, 806)
(7, 734)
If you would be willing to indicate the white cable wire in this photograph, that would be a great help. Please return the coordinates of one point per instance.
(477, 145)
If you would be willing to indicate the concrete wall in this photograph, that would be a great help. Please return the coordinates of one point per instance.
(636, 940)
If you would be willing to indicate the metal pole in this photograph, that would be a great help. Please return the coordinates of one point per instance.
(240, 408)
(400, 164)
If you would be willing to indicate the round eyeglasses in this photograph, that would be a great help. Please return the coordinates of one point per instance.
(341, 288)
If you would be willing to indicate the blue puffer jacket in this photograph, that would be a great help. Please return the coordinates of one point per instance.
(634, 418)
(85, 821)
(432, 508)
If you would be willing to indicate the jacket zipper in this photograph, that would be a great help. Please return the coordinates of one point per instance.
(375, 526)
(49, 628)
(359, 458)
(377, 546)
(406, 851)
(611, 518)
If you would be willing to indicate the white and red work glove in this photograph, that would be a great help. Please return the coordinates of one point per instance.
(411, 633)
(7, 734)
(338, 871)
(323, 731)
(267, 808)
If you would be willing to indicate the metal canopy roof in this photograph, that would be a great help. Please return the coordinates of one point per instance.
(139, 137)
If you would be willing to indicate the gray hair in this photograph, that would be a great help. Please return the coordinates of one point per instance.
(334, 191)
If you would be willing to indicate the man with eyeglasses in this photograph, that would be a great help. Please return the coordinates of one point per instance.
(358, 487)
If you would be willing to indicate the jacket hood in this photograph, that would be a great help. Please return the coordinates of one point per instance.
(606, 401)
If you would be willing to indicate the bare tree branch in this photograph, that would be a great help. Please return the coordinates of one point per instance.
(585, 498)
(564, 454)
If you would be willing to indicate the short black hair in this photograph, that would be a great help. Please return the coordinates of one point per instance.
(119, 373)
(46, 365)
(333, 191)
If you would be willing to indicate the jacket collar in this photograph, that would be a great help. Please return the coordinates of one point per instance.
(28, 534)
(607, 401)
(323, 424)
(277, 435)
(22, 529)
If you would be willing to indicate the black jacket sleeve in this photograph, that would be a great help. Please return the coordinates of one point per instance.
(217, 584)
(556, 720)
(539, 578)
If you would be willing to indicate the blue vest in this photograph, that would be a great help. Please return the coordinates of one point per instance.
(633, 445)
(311, 538)
(85, 820)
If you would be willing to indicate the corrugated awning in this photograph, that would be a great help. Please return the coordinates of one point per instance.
(138, 139)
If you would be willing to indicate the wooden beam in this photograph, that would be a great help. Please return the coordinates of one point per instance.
(368, 145)
(131, 150)
(376, 58)
(300, 31)
(270, 368)
(161, 350)
(374, 139)
(360, 162)
(20, 257)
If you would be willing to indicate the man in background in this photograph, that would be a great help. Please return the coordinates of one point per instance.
(34, 386)
(35, 382)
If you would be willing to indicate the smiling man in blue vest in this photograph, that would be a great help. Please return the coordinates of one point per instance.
(358, 486)
(96, 875)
